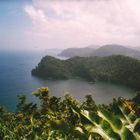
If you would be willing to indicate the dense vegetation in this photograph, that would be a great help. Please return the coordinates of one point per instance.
(118, 69)
(68, 119)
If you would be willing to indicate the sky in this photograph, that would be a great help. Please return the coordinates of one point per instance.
(43, 24)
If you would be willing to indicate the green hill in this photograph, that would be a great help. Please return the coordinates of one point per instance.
(117, 68)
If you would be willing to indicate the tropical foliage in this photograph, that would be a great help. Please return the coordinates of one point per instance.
(68, 119)
(118, 69)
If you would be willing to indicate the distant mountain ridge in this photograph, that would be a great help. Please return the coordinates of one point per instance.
(71, 52)
(105, 50)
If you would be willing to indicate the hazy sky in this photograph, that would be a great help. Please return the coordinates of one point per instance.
(32, 24)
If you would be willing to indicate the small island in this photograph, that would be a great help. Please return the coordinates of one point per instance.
(117, 69)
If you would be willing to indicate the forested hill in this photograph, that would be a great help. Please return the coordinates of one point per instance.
(117, 68)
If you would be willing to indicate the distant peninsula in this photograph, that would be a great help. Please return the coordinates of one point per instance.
(105, 50)
(116, 68)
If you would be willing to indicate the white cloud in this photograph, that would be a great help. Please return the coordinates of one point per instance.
(79, 23)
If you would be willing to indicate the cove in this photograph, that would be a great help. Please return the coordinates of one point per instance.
(16, 79)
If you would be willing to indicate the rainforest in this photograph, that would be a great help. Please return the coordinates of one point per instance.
(116, 68)
(69, 69)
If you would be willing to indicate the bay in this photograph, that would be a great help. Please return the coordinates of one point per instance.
(16, 79)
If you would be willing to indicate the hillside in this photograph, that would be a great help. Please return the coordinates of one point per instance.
(105, 50)
(118, 69)
(71, 52)
(108, 50)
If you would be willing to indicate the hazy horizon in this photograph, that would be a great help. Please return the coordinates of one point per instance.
(45, 24)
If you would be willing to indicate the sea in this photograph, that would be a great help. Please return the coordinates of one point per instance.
(16, 80)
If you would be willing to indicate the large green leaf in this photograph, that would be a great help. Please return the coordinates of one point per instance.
(110, 126)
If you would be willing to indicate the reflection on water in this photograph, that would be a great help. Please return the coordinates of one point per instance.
(101, 92)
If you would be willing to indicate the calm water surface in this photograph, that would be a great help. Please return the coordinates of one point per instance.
(16, 79)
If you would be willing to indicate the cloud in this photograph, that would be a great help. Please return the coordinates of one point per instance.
(79, 23)
(36, 15)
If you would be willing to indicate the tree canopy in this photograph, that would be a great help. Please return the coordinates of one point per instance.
(116, 68)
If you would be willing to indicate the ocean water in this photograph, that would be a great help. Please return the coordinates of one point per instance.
(16, 79)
